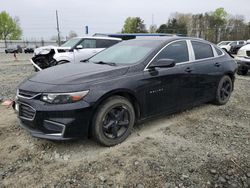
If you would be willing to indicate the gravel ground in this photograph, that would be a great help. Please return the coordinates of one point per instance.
(207, 146)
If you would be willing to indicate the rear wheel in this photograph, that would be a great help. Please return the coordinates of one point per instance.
(224, 90)
(242, 71)
(113, 121)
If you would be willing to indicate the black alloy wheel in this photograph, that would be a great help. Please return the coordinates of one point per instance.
(224, 90)
(116, 122)
(113, 121)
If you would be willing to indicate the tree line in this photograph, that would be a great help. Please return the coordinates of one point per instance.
(213, 26)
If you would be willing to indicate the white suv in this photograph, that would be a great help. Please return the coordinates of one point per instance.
(226, 45)
(74, 50)
(243, 59)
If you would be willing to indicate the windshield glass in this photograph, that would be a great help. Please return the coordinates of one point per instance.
(71, 43)
(125, 52)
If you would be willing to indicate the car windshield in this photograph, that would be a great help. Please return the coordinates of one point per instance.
(71, 43)
(125, 52)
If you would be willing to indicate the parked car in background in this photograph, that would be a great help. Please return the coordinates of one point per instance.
(128, 82)
(29, 49)
(74, 50)
(223, 43)
(14, 49)
(235, 49)
(243, 59)
(227, 45)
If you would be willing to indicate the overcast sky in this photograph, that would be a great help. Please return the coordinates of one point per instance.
(37, 17)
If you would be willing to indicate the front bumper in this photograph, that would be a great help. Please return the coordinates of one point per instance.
(35, 65)
(54, 122)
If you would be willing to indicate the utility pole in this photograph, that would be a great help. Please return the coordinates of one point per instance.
(58, 30)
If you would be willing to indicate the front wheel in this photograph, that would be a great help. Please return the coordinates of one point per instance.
(113, 121)
(224, 90)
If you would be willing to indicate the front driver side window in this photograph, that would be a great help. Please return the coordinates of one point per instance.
(88, 43)
(177, 51)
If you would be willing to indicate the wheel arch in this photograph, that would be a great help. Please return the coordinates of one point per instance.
(123, 93)
(118, 92)
(232, 76)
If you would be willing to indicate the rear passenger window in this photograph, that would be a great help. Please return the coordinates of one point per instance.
(202, 50)
(177, 51)
(219, 52)
(103, 43)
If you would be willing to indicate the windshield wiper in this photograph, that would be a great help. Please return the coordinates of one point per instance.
(85, 60)
(105, 63)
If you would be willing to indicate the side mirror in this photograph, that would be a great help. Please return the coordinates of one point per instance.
(163, 63)
(78, 47)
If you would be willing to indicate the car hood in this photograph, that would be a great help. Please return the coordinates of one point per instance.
(77, 73)
(246, 47)
(46, 49)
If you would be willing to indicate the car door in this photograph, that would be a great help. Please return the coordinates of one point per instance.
(162, 85)
(207, 71)
(89, 48)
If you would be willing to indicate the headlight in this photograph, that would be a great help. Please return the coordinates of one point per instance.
(63, 98)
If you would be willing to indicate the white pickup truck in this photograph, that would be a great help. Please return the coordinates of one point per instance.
(74, 50)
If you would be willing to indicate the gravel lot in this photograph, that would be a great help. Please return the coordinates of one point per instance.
(207, 146)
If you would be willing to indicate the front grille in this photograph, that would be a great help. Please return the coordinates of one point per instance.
(28, 94)
(26, 112)
(248, 53)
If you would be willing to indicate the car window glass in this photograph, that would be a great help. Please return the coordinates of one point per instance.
(241, 42)
(122, 54)
(88, 43)
(219, 52)
(233, 43)
(177, 51)
(202, 50)
(103, 43)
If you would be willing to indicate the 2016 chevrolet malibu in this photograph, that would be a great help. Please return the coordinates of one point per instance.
(105, 95)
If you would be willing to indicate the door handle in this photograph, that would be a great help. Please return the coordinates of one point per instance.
(217, 64)
(188, 69)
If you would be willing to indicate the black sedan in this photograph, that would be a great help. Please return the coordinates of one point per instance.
(29, 49)
(14, 49)
(107, 94)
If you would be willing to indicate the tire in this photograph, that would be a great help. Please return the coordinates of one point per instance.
(108, 126)
(224, 90)
(242, 71)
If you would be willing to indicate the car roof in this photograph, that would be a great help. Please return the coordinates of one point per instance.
(107, 38)
(161, 41)
(166, 39)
